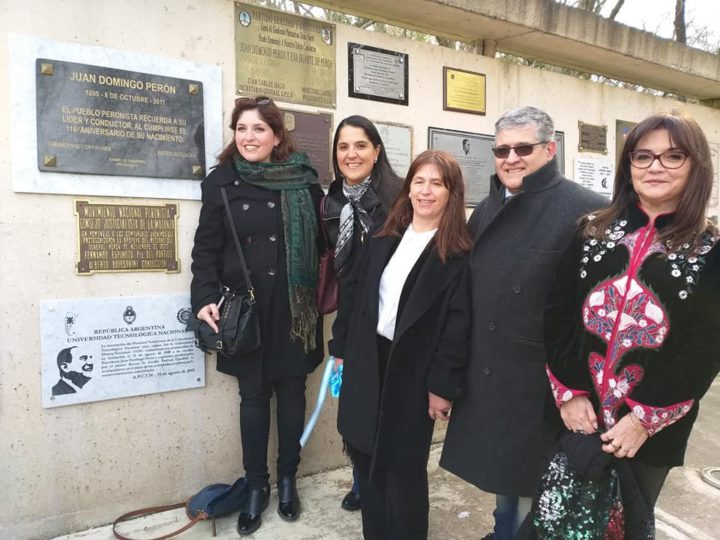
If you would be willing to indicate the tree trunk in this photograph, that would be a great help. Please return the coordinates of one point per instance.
(680, 27)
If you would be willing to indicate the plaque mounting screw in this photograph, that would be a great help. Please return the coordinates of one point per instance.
(49, 160)
(47, 69)
(193, 89)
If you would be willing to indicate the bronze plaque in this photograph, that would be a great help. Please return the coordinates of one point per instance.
(312, 132)
(463, 91)
(99, 120)
(592, 138)
(126, 237)
(284, 56)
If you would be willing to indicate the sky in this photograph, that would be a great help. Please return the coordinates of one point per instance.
(657, 16)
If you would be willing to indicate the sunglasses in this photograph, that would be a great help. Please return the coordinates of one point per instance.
(671, 159)
(260, 101)
(521, 150)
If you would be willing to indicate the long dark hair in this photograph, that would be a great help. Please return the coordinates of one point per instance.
(689, 222)
(452, 237)
(273, 116)
(384, 180)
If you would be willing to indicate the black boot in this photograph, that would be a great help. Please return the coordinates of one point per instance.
(250, 517)
(351, 501)
(288, 499)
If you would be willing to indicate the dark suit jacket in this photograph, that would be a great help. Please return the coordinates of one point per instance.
(385, 415)
(62, 388)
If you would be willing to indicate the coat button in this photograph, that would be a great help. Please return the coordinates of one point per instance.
(246, 206)
(491, 326)
(271, 271)
(236, 182)
(248, 240)
(273, 238)
(517, 289)
(486, 371)
(270, 204)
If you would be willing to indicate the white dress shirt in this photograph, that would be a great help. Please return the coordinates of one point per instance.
(394, 276)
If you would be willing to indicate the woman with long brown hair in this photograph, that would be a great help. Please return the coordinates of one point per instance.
(404, 345)
(274, 195)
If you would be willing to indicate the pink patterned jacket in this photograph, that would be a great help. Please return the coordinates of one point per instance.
(634, 325)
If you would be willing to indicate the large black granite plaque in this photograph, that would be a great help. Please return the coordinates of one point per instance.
(98, 120)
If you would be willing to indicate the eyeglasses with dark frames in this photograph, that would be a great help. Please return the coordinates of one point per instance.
(670, 159)
(521, 150)
(260, 101)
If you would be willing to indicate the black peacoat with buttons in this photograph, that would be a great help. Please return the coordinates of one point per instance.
(498, 438)
(257, 215)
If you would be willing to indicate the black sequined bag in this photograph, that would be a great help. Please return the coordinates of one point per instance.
(572, 506)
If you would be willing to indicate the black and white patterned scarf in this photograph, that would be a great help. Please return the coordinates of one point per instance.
(352, 209)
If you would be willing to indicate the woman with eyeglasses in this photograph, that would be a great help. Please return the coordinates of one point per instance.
(356, 206)
(633, 321)
(274, 198)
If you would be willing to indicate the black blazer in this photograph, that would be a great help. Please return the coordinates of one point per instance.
(386, 414)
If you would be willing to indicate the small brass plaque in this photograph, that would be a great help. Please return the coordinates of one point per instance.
(126, 238)
(592, 138)
(463, 91)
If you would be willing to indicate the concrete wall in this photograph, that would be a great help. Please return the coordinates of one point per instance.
(69, 468)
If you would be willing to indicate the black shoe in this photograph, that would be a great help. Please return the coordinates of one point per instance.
(351, 501)
(250, 517)
(288, 499)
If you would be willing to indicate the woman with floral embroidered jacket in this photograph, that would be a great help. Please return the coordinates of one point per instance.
(633, 321)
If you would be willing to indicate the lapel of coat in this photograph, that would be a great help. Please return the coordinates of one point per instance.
(432, 280)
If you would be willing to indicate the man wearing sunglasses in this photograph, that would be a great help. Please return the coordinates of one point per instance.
(498, 438)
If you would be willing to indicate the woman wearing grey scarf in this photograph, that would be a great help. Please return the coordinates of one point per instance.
(356, 205)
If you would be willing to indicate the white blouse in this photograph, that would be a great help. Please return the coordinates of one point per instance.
(394, 276)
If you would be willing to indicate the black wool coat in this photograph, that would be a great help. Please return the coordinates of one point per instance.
(504, 427)
(385, 415)
(257, 215)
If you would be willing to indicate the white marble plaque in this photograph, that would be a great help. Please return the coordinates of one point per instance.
(24, 50)
(595, 174)
(104, 348)
(397, 140)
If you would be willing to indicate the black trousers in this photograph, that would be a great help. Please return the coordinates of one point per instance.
(255, 426)
(639, 504)
(395, 501)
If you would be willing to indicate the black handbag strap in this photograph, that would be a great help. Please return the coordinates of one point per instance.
(250, 288)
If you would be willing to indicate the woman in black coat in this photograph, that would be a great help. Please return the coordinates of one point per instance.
(357, 203)
(274, 196)
(404, 345)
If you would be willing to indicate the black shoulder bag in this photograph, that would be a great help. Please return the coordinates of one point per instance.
(239, 327)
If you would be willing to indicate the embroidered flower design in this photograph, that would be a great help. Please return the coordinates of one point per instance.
(683, 294)
(675, 272)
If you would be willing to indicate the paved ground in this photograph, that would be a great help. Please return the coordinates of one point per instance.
(687, 508)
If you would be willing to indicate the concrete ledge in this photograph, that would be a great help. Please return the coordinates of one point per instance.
(557, 34)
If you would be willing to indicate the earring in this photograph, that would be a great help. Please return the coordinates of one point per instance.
(375, 161)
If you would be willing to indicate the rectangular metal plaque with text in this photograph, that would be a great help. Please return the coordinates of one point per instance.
(284, 56)
(99, 120)
(463, 91)
(592, 138)
(397, 140)
(312, 133)
(126, 237)
(377, 74)
(473, 152)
